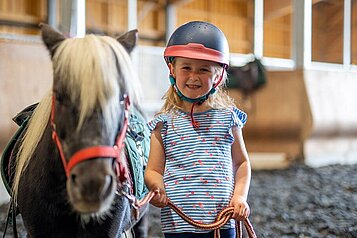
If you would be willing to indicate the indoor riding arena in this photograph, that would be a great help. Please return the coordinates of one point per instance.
(292, 70)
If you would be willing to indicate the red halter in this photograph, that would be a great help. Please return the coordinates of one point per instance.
(95, 151)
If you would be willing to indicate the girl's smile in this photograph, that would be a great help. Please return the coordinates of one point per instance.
(193, 86)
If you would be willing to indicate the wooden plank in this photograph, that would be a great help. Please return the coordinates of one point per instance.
(22, 18)
(178, 2)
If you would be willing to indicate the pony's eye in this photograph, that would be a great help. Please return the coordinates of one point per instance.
(59, 98)
(63, 99)
(65, 105)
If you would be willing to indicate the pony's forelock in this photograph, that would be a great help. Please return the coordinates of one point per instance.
(94, 81)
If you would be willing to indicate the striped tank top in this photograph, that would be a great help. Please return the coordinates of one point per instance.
(198, 174)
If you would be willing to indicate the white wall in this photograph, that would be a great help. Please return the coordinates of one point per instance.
(153, 75)
(25, 76)
(333, 102)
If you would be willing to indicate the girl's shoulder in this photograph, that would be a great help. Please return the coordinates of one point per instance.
(236, 115)
(158, 119)
(233, 111)
(241, 115)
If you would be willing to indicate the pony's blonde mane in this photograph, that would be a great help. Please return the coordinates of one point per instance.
(94, 81)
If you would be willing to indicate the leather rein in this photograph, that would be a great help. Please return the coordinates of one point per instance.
(222, 218)
(100, 151)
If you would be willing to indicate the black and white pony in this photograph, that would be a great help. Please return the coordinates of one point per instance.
(72, 178)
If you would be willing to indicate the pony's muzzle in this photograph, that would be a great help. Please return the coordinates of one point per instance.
(91, 186)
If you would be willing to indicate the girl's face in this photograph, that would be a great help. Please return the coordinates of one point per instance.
(194, 78)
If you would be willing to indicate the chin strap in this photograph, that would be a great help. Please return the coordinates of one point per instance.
(199, 100)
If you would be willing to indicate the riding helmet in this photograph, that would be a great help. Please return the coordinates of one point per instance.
(198, 40)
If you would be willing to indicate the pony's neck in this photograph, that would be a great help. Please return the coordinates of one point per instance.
(46, 163)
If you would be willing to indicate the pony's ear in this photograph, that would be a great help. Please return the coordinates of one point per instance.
(128, 40)
(51, 37)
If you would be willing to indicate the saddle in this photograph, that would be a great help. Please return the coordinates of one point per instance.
(137, 146)
(247, 78)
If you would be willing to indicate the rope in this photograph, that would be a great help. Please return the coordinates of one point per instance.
(223, 217)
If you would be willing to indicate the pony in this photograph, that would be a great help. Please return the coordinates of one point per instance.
(72, 178)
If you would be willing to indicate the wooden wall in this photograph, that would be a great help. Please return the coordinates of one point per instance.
(277, 28)
(111, 18)
(327, 33)
(107, 17)
(234, 18)
(22, 16)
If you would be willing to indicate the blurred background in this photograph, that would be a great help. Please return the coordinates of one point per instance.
(305, 110)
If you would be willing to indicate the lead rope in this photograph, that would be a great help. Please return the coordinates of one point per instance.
(223, 217)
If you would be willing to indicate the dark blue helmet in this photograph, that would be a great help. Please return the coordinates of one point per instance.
(198, 40)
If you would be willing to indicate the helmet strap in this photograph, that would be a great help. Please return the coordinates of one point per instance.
(199, 100)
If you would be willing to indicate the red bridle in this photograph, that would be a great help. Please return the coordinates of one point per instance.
(95, 151)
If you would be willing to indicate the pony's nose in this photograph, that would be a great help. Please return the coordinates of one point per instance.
(91, 188)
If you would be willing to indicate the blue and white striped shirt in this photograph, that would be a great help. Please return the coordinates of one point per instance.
(199, 173)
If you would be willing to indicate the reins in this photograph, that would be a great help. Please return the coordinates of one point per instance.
(222, 218)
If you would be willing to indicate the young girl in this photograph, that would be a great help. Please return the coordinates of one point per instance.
(197, 157)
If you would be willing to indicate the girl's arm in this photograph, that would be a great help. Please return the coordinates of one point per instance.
(242, 172)
(155, 168)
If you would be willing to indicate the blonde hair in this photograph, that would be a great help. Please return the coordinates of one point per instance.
(219, 100)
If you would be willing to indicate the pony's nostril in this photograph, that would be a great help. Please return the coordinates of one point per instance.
(115, 166)
(73, 178)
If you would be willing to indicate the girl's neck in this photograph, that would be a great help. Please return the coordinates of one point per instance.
(187, 106)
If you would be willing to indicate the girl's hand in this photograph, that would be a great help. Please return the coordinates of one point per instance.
(160, 199)
(241, 208)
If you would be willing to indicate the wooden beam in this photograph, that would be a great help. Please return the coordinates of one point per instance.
(178, 2)
(23, 20)
(143, 34)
